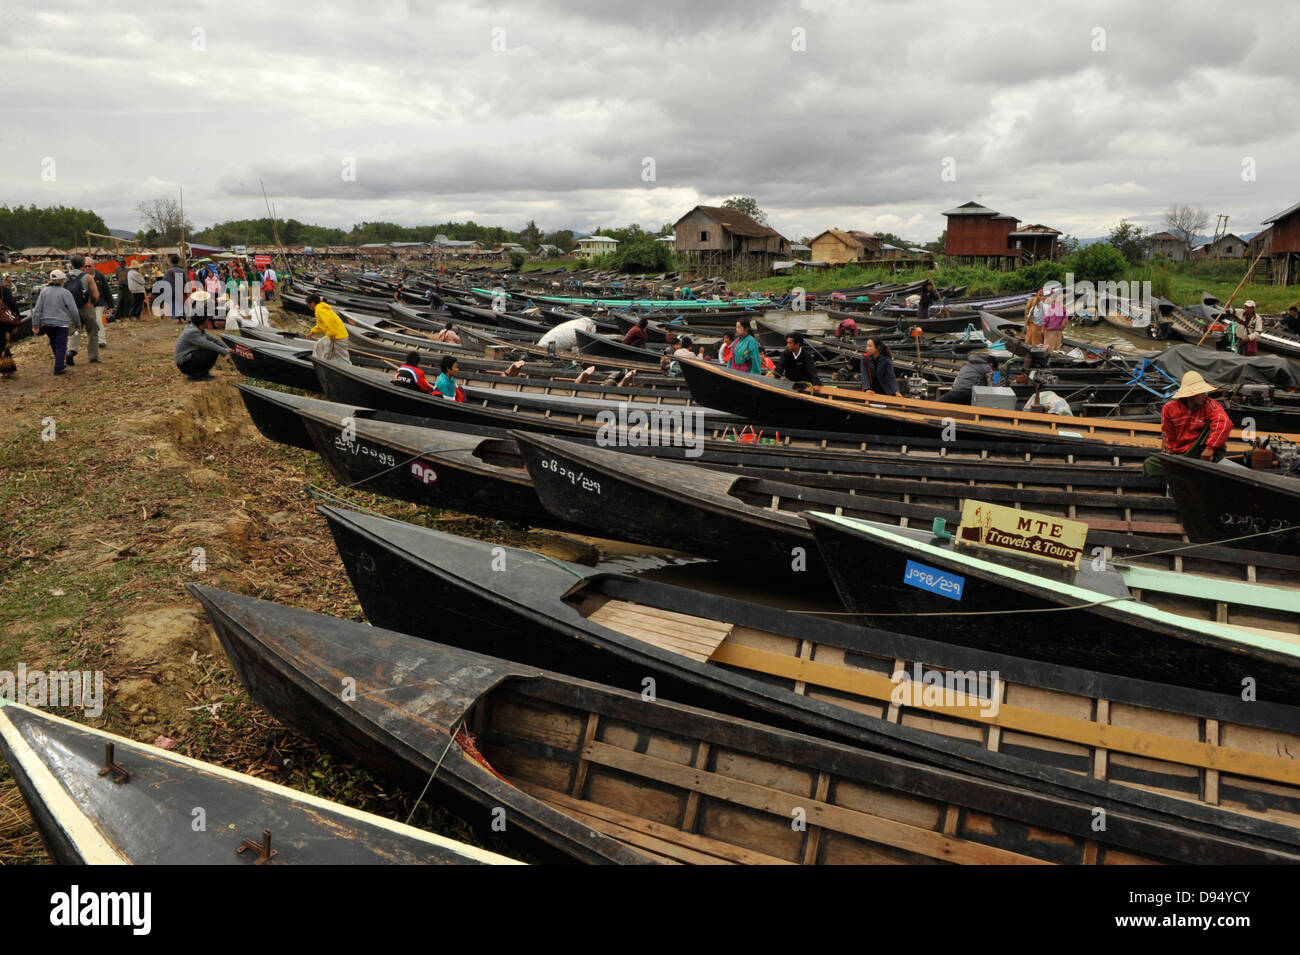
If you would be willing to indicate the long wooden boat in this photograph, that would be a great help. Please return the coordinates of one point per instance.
(283, 364)
(100, 799)
(876, 472)
(728, 517)
(757, 661)
(770, 400)
(473, 474)
(1088, 618)
(931, 326)
(604, 347)
(496, 407)
(1236, 505)
(676, 305)
(597, 774)
(589, 399)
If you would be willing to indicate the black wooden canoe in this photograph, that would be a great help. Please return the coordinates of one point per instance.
(275, 414)
(437, 468)
(770, 400)
(597, 774)
(909, 581)
(1093, 492)
(1226, 502)
(603, 346)
(170, 809)
(758, 662)
(282, 364)
(497, 407)
(737, 518)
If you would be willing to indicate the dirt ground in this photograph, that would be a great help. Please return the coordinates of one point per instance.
(112, 478)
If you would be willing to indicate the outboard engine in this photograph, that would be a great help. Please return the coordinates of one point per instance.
(1261, 396)
(917, 386)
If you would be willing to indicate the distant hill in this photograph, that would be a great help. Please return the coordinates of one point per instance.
(122, 233)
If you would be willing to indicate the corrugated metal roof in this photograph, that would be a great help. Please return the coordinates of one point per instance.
(971, 208)
(735, 221)
(1283, 214)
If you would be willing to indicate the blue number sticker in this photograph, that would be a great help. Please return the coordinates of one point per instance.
(934, 580)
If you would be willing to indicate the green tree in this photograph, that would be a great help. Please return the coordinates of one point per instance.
(23, 226)
(517, 260)
(748, 206)
(530, 235)
(1130, 240)
(563, 240)
(643, 254)
(1098, 262)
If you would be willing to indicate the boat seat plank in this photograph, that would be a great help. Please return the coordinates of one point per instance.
(851, 822)
(664, 840)
(1139, 742)
(693, 637)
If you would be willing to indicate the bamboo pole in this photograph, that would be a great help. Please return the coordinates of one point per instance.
(1228, 304)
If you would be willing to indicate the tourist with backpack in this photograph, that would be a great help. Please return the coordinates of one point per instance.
(105, 301)
(85, 292)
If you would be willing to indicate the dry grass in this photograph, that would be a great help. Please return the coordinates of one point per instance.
(97, 544)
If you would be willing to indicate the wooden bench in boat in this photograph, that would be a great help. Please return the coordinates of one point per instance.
(1231, 766)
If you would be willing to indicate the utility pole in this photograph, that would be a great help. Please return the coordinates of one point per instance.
(184, 253)
(1220, 230)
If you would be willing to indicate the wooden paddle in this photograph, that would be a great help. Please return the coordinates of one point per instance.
(1228, 304)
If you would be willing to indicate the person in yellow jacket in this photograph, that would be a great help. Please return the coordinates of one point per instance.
(334, 346)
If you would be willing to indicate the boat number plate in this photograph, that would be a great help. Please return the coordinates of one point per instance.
(934, 580)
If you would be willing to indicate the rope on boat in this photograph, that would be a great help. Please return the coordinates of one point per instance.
(316, 493)
(451, 738)
(400, 464)
(961, 613)
(1226, 540)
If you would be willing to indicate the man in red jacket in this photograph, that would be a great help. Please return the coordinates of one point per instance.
(1191, 424)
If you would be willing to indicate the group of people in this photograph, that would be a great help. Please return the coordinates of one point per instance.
(1046, 318)
(76, 302)
(410, 375)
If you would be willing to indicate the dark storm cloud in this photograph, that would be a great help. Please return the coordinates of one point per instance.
(827, 113)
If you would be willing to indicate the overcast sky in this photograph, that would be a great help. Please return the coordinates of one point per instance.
(843, 114)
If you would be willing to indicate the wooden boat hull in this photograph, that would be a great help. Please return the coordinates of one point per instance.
(1026, 613)
(764, 399)
(86, 818)
(1219, 503)
(601, 347)
(427, 466)
(282, 365)
(603, 775)
(664, 504)
(757, 662)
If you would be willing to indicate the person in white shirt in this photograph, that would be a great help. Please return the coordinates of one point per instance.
(135, 285)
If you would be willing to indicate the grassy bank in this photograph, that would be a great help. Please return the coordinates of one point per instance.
(1181, 284)
(99, 536)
